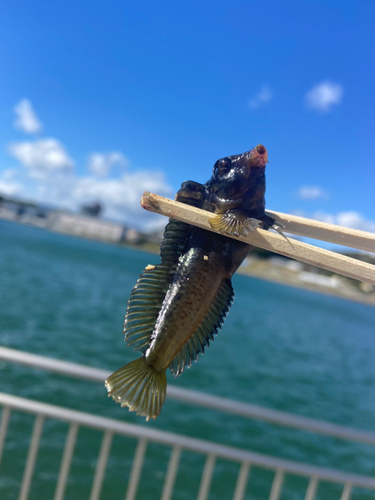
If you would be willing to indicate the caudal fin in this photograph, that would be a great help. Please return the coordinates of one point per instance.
(138, 386)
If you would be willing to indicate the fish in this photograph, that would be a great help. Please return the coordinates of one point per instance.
(177, 307)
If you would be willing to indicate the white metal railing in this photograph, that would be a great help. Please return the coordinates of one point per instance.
(178, 443)
(196, 398)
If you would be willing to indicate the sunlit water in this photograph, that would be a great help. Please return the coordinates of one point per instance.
(280, 347)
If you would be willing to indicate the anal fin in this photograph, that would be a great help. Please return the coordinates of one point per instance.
(206, 331)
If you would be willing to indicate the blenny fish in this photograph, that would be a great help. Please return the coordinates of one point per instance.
(177, 306)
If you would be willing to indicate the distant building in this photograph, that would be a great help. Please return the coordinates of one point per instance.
(132, 236)
(23, 212)
(86, 226)
(319, 279)
(8, 213)
(93, 209)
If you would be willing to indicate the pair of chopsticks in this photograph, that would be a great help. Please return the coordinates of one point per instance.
(289, 247)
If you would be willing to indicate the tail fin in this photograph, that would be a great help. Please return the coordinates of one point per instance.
(138, 386)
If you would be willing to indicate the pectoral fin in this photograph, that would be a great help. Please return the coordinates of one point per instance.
(234, 222)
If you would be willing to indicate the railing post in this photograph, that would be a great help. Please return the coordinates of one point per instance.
(101, 465)
(171, 473)
(65, 462)
(311, 489)
(208, 470)
(31, 457)
(4, 428)
(346, 492)
(242, 479)
(277, 485)
(136, 469)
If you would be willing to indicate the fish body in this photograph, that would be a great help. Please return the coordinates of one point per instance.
(177, 307)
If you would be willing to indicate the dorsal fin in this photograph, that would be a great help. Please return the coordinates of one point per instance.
(176, 237)
(144, 305)
(206, 330)
(148, 294)
(176, 234)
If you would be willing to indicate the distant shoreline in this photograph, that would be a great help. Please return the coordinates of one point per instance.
(355, 297)
(344, 292)
(260, 268)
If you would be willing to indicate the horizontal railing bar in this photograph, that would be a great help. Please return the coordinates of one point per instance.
(193, 444)
(272, 416)
(53, 365)
(197, 398)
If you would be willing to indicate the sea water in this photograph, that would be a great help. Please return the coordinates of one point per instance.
(280, 347)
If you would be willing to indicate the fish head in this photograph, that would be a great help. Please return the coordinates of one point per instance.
(234, 179)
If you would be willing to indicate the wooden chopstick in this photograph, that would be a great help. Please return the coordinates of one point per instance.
(288, 247)
(317, 230)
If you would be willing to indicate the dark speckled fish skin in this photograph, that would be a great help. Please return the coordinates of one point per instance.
(207, 262)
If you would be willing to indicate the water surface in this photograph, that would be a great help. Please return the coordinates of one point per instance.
(280, 347)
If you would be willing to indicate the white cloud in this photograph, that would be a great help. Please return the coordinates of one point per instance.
(351, 219)
(100, 163)
(119, 197)
(42, 156)
(324, 95)
(312, 193)
(26, 119)
(263, 96)
(50, 178)
(9, 187)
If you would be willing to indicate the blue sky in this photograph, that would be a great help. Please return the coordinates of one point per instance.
(101, 101)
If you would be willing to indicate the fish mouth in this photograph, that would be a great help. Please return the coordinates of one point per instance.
(258, 156)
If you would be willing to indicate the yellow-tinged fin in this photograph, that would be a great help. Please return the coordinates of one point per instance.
(144, 305)
(206, 330)
(234, 222)
(148, 293)
(138, 386)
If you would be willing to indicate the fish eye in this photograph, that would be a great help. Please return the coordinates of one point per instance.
(221, 167)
